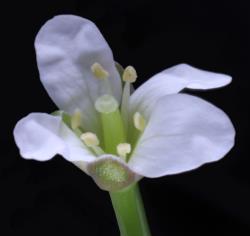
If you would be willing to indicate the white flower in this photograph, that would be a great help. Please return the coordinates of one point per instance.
(161, 131)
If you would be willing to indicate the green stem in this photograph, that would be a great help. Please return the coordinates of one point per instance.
(130, 212)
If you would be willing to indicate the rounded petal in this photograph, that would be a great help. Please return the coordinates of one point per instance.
(183, 133)
(40, 136)
(66, 47)
(194, 78)
(173, 80)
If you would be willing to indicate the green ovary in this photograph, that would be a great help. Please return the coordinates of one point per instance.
(111, 171)
(111, 175)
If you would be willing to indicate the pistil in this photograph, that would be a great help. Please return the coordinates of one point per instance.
(112, 124)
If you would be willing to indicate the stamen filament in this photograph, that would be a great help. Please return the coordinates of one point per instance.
(78, 132)
(139, 127)
(97, 150)
(125, 103)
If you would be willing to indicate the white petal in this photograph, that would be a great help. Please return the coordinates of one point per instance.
(67, 46)
(196, 78)
(40, 136)
(183, 133)
(173, 80)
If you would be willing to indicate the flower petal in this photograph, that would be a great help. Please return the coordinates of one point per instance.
(40, 136)
(183, 133)
(173, 80)
(196, 78)
(66, 47)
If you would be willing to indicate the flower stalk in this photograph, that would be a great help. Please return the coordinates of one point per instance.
(129, 211)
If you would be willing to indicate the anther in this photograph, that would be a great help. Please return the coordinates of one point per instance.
(129, 74)
(90, 139)
(99, 71)
(123, 149)
(139, 121)
(75, 121)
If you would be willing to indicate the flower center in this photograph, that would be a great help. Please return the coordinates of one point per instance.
(120, 131)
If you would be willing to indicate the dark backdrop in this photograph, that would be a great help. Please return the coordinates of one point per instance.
(55, 198)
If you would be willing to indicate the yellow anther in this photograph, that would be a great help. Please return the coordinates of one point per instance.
(139, 121)
(76, 119)
(99, 71)
(90, 139)
(129, 74)
(123, 149)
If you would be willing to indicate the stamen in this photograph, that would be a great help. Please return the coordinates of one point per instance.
(99, 71)
(90, 139)
(139, 121)
(106, 104)
(123, 149)
(75, 121)
(129, 74)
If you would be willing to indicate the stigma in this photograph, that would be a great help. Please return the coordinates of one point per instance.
(106, 104)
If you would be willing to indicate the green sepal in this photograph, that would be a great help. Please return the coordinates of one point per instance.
(119, 68)
(65, 117)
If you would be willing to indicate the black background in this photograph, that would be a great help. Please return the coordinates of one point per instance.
(55, 198)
